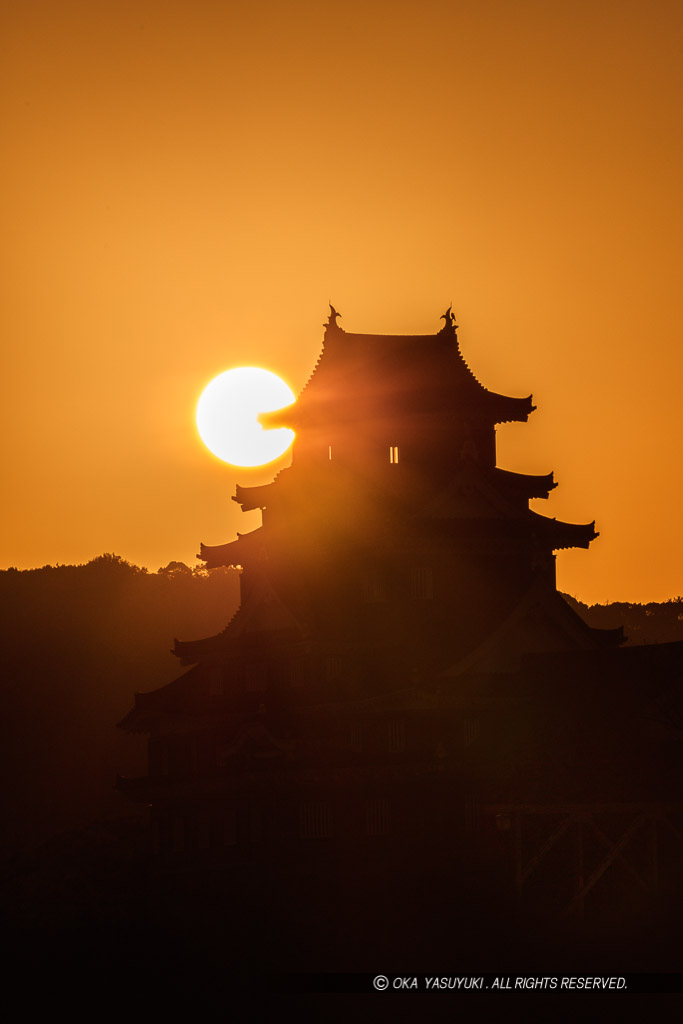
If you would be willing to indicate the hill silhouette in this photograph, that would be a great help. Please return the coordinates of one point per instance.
(651, 623)
(77, 641)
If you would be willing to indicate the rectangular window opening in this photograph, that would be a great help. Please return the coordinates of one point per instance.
(315, 820)
(373, 587)
(377, 817)
(356, 737)
(204, 831)
(178, 839)
(297, 673)
(396, 736)
(422, 583)
(227, 828)
(393, 454)
(256, 677)
(333, 668)
(215, 682)
(470, 731)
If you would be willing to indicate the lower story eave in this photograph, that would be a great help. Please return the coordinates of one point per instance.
(562, 535)
(235, 552)
(506, 409)
(606, 638)
(525, 484)
(217, 556)
(190, 652)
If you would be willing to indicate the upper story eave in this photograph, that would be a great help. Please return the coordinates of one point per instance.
(368, 378)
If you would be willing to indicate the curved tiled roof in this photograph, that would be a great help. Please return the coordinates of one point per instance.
(361, 374)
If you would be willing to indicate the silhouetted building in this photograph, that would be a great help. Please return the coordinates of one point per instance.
(403, 701)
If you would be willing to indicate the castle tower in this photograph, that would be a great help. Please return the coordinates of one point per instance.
(393, 529)
(405, 731)
(396, 568)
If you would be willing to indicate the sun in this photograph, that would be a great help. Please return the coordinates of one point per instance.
(227, 416)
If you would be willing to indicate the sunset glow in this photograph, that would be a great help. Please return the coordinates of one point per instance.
(177, 175)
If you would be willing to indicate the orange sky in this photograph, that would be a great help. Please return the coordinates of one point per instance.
(186, 184)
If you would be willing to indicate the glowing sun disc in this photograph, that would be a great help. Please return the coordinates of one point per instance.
(227, 414)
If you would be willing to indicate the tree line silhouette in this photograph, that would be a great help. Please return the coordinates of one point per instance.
(79, 640)
(651, 623)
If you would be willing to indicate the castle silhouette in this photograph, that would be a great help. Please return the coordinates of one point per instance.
(405, 725)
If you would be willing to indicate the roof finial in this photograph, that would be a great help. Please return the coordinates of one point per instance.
(449, 317)
(332, 321)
